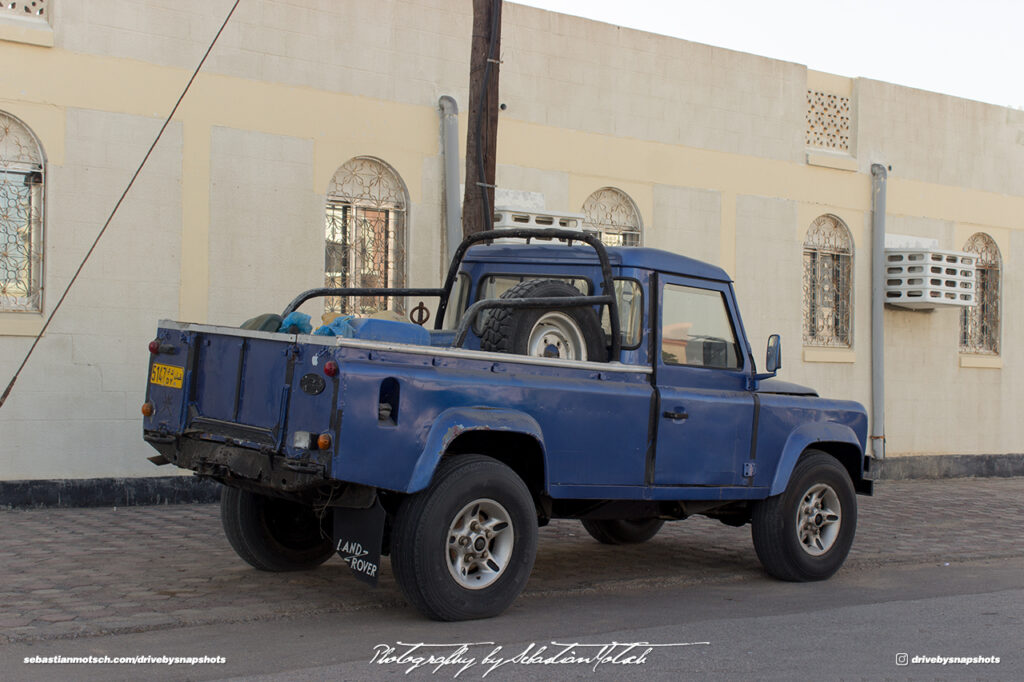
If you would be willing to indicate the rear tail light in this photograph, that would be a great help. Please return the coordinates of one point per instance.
(156, 347)
(324, 441)
(331, 368)
(148, 409)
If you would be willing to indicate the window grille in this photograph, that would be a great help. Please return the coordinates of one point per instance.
(828, 284)
(980, 323)
(613, 215)
(21, 217)
(365, 235)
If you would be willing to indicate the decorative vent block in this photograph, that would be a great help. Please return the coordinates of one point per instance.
(828, 121)
(926, 278)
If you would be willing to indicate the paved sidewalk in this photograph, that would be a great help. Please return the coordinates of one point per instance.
(80, 572)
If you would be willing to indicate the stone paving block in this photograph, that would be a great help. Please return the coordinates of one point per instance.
(14, 622)
(56, 617)
(190, 575)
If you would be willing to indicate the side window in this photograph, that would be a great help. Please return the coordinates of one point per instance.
(614, 216)
(365, 238)
(457, 301)
(630, 298)
(21, 218)
(979, 324)
(828, 284)
(695, 329)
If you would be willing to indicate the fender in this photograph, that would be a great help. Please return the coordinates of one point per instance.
(456, 421)
(800, 439)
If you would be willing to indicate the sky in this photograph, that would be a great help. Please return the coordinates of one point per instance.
(968, 48)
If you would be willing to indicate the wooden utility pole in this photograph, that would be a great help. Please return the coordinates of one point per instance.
(482, 131)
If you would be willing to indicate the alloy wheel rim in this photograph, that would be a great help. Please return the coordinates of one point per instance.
(478, 546)
(818, 519)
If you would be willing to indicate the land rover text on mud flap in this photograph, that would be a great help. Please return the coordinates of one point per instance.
(562, 379)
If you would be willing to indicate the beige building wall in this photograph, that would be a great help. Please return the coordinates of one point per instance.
(226, 222)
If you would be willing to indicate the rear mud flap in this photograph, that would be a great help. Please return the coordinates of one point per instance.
(358, 536)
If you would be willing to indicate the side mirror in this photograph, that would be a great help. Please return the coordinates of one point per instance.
(773, 354)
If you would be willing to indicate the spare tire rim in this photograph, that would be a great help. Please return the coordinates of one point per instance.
(556, 335)
(818, 519)
(479, 544)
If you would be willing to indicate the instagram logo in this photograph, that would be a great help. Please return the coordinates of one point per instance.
(901, 659)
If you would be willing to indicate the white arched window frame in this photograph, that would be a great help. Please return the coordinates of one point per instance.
(980, 323)
(365, 238)
(614, 216)
(22, 185)
(828, 284)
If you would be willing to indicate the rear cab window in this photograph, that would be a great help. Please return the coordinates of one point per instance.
(494, 286)
(628, 291)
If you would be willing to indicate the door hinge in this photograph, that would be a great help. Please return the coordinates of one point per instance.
(749, 469)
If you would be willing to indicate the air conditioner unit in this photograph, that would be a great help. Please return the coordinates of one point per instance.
(510, 218)
(925, 278)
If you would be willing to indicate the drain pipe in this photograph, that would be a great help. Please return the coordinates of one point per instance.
(878, 180)
(450, 149)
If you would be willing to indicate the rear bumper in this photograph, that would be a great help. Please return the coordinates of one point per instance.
(243, 467)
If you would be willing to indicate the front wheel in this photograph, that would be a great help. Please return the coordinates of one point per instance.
(806, 532)
(623, 531)
(464, 547)
(272, 534)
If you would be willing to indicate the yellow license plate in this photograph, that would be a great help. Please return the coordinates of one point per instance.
(166, 375)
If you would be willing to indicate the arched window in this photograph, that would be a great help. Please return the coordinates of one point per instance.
(365, 237)
(828, 284)
(21, 217)
(979, 323)
(614, 216)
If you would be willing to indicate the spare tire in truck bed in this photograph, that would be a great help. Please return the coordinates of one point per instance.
(570, 333)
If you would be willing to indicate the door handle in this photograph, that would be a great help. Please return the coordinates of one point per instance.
(680, 414)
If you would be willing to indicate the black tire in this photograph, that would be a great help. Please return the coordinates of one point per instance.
(817, 553)
(623, 531)
(272, 534)
(425, 544)
(508, 330)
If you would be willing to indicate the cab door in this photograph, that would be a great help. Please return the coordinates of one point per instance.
(706, 409)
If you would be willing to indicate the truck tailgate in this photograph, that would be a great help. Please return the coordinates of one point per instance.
(233, 383)
(241, 380)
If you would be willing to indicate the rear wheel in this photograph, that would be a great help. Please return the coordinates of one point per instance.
(464, 547)
(623, 531)
(566, 333)
(806, 532)
(272, 534)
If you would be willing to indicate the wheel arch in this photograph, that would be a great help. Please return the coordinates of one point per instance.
(837, 440)
(509, 436)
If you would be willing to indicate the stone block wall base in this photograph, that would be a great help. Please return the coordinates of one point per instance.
(107, 492)
(948, 466)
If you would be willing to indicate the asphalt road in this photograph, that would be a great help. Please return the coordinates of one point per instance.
(853, 626)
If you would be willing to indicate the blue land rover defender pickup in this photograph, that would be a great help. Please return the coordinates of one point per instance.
(562, 379)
